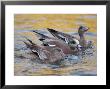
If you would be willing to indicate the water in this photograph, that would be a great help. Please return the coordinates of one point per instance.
(27, 63)
(85, 73)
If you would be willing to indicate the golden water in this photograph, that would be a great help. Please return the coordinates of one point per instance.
(25, 62)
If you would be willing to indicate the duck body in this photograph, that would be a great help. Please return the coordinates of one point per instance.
(50, 41)
(46, 54)
(64, 47)
(70, 40)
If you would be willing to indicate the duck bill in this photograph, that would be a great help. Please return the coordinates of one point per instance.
(86, 29)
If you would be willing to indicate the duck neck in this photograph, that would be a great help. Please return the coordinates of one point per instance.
(81, 36)
(82, 39)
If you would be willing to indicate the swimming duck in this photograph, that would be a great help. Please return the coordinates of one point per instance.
(45, 53)
(72, 41)
(53, 42)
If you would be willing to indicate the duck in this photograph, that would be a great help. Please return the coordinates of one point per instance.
(54, 42)
(70, 39)
(46, 54)
(63, 36)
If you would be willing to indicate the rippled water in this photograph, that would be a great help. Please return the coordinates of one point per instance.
(27, 64)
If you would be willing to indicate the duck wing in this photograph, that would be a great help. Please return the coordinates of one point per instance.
(42, 36)
(39, 51)
(62, 36)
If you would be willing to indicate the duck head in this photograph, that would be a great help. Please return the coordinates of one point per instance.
(82, 30)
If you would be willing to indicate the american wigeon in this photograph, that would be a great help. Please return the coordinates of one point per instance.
(45, 53)
(50, 41)
(70, 39)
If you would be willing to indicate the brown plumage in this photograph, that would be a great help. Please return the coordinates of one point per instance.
(46, 54)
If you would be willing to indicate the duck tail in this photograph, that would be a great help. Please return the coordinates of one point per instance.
(52, 30)
(31, 42)
(28, 45)
(42, 36)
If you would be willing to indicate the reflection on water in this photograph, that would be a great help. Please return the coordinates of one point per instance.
(26, 63)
